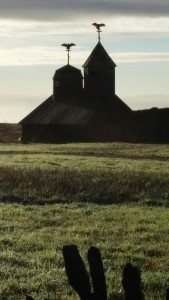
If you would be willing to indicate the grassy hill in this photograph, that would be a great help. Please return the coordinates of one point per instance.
(100, 173)
(9, 133)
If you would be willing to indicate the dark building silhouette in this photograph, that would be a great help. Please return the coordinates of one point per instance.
(88, 109)
(67, 83)
(99, 73)
(80, 109)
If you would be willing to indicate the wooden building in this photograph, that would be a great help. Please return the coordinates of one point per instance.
(80, 109)
(87, 109)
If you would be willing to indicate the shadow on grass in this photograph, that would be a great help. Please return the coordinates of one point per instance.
(16, 199)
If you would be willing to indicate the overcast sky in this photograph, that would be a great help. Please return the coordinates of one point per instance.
(136, 36)
(52, 9)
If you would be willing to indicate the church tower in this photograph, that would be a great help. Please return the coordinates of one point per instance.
(67, 81)
(99, 72)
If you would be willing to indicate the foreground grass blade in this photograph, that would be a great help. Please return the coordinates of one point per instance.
(131, 281)
(97, 274)
(76, 271)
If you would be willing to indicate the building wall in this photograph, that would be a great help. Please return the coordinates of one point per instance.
(71, 133)
(95, 83)
(148, 126)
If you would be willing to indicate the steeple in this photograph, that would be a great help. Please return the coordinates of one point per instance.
(99, 57)
(99, 73)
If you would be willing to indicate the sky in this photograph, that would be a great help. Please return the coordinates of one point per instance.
(136, 36)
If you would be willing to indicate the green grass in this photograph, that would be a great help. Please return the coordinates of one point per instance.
(88, 156)
(114, 196)
(32, 238)
(99, 173)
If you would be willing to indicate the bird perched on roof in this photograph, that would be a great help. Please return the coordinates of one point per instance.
(68, 46)
(98, 25)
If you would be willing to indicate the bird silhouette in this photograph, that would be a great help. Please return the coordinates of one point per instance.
(68, 46)
(98, 25)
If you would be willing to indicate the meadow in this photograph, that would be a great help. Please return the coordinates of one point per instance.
(114, 196)
(99, 173)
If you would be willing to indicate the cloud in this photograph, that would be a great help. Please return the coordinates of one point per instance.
(131, 57)
(56, 55)
(25, 42)
(69, 10)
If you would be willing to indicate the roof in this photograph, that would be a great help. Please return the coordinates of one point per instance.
(80, 112)
(99, 56)
(67, 69)
(53, 112)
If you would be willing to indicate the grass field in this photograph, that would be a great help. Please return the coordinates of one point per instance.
(113, 196)
(99, 173)
(32, 238)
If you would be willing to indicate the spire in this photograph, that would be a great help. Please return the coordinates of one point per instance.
(98, 29)
(99, 57)
(68, 46)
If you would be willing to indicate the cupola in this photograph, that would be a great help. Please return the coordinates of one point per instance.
(67, 81)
